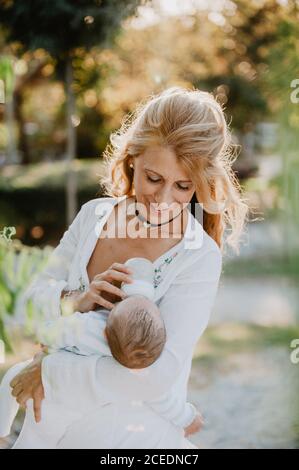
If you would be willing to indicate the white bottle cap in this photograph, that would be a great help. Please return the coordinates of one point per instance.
(143, 278)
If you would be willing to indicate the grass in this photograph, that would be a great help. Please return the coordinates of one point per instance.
(276, 265)
(229, 338)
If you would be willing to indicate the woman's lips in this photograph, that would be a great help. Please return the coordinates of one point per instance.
(155, 208)
(161, 215)
(159, 210)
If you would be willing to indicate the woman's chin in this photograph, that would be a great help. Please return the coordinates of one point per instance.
(154, 216)
(158, 217)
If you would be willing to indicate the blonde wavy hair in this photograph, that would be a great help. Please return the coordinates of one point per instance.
(192, 123)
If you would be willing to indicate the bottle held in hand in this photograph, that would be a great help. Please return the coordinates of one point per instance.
(143, 278)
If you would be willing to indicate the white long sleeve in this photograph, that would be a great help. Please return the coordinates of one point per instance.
(83, 334)
(175, 409)
(185, 308)
(45, 290)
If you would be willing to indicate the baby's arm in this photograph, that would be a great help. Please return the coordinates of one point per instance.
(78, 333)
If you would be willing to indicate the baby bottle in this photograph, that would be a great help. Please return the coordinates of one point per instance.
(143, 278)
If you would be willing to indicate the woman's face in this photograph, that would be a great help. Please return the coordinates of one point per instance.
(161, 185)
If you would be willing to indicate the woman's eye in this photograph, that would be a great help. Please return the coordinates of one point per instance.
(183, 188)
(153, 180)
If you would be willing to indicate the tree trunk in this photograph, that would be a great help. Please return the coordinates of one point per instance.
(23, 141)
(10, 123)
(71, 177)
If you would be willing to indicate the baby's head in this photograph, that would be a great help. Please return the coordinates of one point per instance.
(135, 332)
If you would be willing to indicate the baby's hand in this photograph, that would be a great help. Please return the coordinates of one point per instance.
(195, 426)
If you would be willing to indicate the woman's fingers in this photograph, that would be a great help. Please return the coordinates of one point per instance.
(113, 275)
(37, 405)
(195, 426)
(103, 282)
(115, 267)
(17, 389)
(118, 276)
(106, 286)
(103, 302)
(22, 398)
(14, 381)
(121, 267)
(37, 411)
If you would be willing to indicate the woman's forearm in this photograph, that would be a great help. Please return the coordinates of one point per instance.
(103, 378)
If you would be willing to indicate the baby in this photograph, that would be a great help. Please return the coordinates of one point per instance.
(133, 332)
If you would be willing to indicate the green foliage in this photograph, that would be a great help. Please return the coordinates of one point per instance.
(246, 101)
(18, 264)
(60, 26)
(7, 75)
(237, 337)
(274, 265)
(283, 87)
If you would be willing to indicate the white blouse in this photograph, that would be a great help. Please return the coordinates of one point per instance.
(186, 283)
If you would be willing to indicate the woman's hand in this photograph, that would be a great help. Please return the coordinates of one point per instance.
(103, 283)
(28, 384)
(195, 426)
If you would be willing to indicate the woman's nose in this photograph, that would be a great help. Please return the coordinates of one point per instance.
(164, 199)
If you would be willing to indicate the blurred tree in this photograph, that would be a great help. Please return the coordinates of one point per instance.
(7, 77)
(29, 78)
(60, 27)
(283, 93)
(224, 52)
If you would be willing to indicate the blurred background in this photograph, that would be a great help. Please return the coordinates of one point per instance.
(69, 73)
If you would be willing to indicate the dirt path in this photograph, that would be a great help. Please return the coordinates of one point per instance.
(243, 380)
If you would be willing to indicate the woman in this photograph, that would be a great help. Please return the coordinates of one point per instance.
(175, 151)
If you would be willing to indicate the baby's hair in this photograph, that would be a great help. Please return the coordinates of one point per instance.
(136, 338)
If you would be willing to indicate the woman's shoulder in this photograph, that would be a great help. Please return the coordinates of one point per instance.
(207, 247)
(210, 245)
(204, 261)
(93, 208)
(92, 204)
(212, 254)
